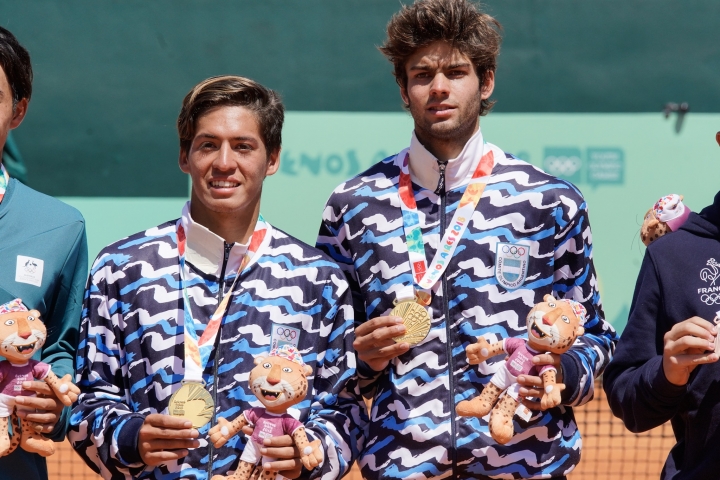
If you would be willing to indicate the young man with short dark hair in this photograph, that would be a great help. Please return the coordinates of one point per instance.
(43, 262)
(175, 315)
(468, 238)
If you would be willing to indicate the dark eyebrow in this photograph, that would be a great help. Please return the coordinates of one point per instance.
(205, 135)
(214, 137)
(423, 67)
(458, 65)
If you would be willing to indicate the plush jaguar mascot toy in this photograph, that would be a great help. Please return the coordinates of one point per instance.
(279, 381)
(22, 333)
(667, 215)
(553, 325)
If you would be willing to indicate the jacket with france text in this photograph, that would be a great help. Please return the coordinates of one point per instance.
(679, 279)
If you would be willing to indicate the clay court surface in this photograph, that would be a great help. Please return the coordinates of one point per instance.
(609, 450)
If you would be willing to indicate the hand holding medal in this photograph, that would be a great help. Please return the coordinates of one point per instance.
(374, 342)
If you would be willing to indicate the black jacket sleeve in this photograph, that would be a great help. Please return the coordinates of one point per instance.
(634, 382)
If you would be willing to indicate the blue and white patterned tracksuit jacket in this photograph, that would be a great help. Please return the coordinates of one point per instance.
(130, 358)
(414, 431)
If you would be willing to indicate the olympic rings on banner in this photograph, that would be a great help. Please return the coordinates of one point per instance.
(286, 332)
(516, 252)
(710, 299)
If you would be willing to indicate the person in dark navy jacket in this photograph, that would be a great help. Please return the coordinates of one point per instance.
(665, 367)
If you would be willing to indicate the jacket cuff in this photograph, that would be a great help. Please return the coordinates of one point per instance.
(126, 435)
(571, 379)
(367, 379)
(659, 383)
(364, 371)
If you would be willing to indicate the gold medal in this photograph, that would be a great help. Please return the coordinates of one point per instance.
(416, 321)
(192, 402)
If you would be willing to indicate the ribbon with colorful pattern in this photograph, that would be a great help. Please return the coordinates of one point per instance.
(425, 277)
(198, 348)
(4, 180)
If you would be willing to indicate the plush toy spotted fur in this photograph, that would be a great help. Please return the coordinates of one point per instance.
(553, 325)
(667, 215)
(279, 381)
(22, 333)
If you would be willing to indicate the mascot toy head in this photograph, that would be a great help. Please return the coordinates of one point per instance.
(553, 325)
(279, 380)
(667, 215)
(22, 333)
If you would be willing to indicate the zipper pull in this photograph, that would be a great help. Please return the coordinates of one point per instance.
(440, 190)
(228, 248)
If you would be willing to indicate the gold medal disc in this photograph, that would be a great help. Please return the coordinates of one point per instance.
(416, 321)
(192, 402)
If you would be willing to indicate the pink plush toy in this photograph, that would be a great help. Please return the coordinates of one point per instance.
(279, 381)
(553, 325)
(22, 333)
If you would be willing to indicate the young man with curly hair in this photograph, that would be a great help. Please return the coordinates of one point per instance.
(469, 238)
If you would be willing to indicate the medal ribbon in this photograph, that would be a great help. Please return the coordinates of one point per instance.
(425, 277)
(198, 348)
(4, 180)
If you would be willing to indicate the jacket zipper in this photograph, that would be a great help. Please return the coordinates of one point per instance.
(221, 294)
(446, 312)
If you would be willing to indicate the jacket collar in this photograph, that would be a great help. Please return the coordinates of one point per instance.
(424, 167)
(4, 180)
(206, 250)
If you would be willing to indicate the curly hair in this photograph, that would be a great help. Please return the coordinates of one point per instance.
(458, 22)
(230, 90)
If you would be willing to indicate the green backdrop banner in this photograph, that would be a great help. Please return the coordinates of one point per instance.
(110, 75)
(622, 163)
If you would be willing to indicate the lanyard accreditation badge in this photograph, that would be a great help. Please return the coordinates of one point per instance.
(192, 400)
(412, 301)
(4, 180)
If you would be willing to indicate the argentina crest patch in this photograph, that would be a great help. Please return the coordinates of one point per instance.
(511, 264)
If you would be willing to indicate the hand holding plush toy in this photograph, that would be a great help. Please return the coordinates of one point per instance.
(22, 333)
(279, 381)
(553, 325)
(667, 215)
